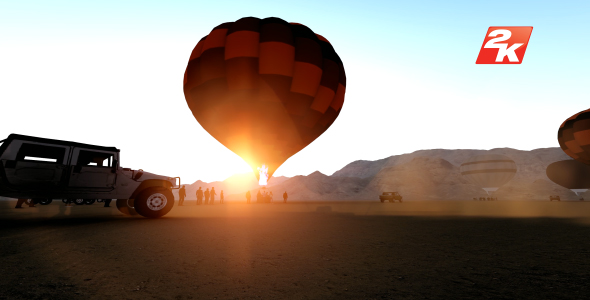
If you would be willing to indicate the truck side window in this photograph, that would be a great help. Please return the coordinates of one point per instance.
(97, 159)
(41, 153)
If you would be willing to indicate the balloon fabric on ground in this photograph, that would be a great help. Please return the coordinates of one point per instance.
(574, 136)
(264, 88)
(489, 171)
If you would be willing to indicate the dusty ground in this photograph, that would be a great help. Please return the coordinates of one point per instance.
(412, 250)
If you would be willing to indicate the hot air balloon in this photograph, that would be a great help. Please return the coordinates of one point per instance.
(264, 88)
(574, 136)
(570, 174)
(489, 171)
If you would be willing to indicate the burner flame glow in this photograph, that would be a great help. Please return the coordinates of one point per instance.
(263, 171)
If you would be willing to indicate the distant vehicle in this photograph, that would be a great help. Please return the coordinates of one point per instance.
(390, 196)
(45, 169)
(553, 197)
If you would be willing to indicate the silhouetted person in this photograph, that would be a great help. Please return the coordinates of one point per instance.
(285, 196)
(221, 197)
(248, 196)
(181, 195)
(207, 194)
(259, 197)
(199, 196)
(107, 202)
(212, 195)
(20, 202)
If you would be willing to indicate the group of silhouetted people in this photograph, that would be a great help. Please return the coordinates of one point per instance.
(264, 196)
(208, 195)
(486, 199)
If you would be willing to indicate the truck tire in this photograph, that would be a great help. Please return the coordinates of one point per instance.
(45, 201)
(64, 200)
(79, 201)
(154, 202)
(126, 207)
(28, 201)
(89, 201)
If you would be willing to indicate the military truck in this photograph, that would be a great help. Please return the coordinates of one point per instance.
(46, 169)
(390, 196)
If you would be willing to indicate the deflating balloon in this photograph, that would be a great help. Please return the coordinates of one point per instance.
(489, 171)
(570, 174)
(574, 136)
(264, 88)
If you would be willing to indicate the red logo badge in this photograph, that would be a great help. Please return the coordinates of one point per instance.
(504, 45)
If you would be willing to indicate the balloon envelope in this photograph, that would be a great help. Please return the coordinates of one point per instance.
(574, 136)
(489, 171)
(264, 88)
(570, 174)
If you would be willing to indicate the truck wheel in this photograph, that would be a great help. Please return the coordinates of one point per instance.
(154, 202)
(126, 206)
(45, 201)
(28, 201)
(64, 200)
(79, 201)
(89, 201)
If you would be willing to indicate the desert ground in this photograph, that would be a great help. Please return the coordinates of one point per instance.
(299, 250)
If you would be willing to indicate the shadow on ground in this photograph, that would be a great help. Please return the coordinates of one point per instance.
(272, 252)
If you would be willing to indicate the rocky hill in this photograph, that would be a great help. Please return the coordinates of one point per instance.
(421, 175)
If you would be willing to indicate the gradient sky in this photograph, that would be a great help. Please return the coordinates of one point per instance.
(110, 73)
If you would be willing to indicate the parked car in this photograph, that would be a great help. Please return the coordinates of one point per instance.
(45, 169)
(390, 196)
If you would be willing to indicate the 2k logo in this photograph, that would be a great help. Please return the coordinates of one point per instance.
(504, 45)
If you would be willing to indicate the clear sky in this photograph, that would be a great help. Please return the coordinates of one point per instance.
(110, 73)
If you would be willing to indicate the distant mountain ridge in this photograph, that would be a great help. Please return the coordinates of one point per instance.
(420, 175)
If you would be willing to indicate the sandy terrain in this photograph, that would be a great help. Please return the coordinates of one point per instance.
(354, 250)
